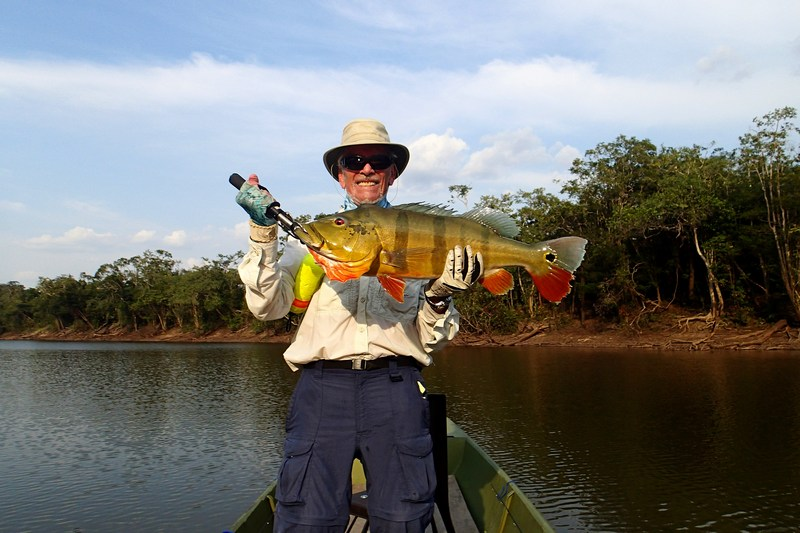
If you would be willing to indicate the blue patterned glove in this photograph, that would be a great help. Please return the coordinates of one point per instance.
(255, 201)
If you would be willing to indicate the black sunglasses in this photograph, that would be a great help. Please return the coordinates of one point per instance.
(355, 163)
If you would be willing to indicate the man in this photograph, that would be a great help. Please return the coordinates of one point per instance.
(360, 393)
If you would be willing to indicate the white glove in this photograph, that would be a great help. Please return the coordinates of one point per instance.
(462, 269)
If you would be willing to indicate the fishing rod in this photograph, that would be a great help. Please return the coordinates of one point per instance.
(274, 211)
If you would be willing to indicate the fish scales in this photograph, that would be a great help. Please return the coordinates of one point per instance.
(413, 242)
(432, 237)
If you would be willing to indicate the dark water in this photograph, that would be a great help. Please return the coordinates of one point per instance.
(183, 437)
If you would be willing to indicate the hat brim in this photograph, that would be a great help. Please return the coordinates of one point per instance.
(331, 157)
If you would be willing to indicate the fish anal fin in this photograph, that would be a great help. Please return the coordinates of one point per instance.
(394, 286)
(553, 285)
(498, 281)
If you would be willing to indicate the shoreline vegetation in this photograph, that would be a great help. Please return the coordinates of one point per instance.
(669, 332)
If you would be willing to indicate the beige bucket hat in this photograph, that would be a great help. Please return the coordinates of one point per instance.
(364, 131)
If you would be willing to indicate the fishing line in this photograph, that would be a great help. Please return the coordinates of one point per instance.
(396, 186)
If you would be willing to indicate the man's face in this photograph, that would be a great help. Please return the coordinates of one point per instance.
(369, 184)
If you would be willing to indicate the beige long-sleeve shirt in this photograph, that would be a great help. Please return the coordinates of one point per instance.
(356, 319)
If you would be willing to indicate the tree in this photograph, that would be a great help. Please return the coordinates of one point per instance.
(208, 295)
(461, 193)
(768, 154)
(15, 313)
(609, 181)
(689, 204)
(111, 298)
(60, 302)
(152, 276)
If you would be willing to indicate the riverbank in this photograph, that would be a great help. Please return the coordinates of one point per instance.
(668, 331)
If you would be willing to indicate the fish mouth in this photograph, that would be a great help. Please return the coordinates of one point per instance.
(309, 236)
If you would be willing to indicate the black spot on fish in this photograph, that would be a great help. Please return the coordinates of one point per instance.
(550, 257)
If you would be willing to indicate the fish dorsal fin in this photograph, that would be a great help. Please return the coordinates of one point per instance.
(428, 209)
(497, 220)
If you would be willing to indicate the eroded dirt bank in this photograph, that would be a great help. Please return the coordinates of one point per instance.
(667, 333)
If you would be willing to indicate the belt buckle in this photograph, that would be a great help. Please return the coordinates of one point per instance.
(358, 364)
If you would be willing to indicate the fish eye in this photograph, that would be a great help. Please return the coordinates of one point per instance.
(339, 221)
(550, 257)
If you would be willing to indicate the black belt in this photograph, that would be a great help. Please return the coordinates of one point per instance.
(362, 364)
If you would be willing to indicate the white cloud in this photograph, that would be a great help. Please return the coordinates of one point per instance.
(724, 64)
(242, 231)
(565, 155)
(193, 262)
(75, 236)
(506, 150)
(143, 236)
(436, 154)
(12, 207)
(176, 238)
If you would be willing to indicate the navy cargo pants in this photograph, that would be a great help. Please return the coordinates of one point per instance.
(380, 416)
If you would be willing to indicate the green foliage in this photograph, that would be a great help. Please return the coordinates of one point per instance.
(484, 313)
(15, 307)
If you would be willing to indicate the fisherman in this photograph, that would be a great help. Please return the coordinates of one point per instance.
(360, 393)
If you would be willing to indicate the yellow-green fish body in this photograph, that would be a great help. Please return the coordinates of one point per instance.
(412, 241)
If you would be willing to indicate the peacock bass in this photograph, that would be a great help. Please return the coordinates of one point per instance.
(412, 241)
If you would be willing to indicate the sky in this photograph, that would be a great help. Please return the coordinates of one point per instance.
(121, 121)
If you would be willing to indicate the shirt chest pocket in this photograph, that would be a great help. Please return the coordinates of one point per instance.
(379, 302)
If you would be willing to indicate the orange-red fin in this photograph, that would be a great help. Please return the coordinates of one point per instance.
(562, 257)
(498, 281)
(335, 270)
(555, 284)
(394, 286)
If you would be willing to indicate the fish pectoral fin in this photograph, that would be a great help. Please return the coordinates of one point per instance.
(396, 260)
(497, 281)
(394, 286)
(401, 259)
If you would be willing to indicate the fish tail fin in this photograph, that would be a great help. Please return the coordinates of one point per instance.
(498, 281)
(561, 257)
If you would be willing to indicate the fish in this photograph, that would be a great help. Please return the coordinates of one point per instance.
(411, 241)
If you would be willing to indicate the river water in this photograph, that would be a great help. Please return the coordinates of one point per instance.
(98, 437)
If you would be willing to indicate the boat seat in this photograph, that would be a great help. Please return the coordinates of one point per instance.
(358, 509)
(438, 411)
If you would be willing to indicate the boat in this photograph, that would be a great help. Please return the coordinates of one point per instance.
(473, 492)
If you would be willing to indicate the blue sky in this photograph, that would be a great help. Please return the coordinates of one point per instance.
(121, 121)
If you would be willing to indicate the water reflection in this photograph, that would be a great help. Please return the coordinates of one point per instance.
(183, 437)
(99, 437)
(635, 441)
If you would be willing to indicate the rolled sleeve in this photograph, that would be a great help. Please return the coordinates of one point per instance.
(269, 282)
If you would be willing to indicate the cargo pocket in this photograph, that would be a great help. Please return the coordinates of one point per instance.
(416, 463)
(297, 453)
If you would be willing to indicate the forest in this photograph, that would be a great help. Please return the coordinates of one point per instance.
(709, 230)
